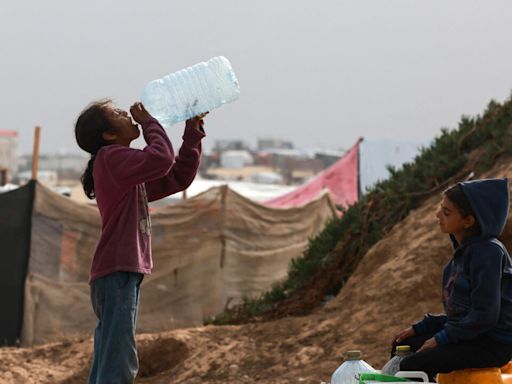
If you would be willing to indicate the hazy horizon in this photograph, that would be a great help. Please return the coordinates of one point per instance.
(320, 74)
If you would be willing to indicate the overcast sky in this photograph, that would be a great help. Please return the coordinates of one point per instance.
(319, 73)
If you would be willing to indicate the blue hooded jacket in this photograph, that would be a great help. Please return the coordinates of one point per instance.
(477, 281)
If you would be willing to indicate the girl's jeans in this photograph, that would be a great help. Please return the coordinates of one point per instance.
(115, 299)
(482, 352)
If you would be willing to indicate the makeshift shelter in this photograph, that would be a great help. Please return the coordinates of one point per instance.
(15, 232)
(340, 180)
(358, 169)
(208, 251)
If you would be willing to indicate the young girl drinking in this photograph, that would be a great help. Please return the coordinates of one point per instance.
(123, 180)
(476, 331)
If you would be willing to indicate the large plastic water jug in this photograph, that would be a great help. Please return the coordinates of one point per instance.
(349, 371)
(393, 365)
(191, 91)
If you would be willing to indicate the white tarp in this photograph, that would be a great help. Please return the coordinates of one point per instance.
(208, 251)
(376, 154)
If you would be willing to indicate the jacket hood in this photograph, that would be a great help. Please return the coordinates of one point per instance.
(489, 199)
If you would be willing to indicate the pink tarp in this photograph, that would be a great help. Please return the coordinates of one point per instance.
(340, 179)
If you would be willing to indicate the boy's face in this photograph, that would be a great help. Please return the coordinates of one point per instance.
(451, 220)
(125, 131)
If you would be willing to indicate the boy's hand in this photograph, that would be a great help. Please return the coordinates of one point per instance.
(404, 334)
(139, 113)
(429, 344)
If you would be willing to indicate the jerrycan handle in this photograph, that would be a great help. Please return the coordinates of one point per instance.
(413, 375)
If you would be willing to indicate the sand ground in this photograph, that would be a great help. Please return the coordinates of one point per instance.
(395, 284)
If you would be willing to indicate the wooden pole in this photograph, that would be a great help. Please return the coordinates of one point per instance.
(184, 195)
(35, 152)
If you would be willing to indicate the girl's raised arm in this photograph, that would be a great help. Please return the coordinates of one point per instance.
(129, 167)
(185, 167)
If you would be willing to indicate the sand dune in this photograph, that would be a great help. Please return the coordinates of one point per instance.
(395, 284)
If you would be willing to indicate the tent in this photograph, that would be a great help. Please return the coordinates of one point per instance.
(208, 251)
(15, 232)
(340, 180)
(357, 170)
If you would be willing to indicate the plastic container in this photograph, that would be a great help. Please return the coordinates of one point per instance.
(507, 368)
(352, 367)
(368, 378)
(400, 377)
(393, 365)
(472, 376)
(191, 91)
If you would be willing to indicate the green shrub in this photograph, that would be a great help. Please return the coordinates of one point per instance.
(332, 255)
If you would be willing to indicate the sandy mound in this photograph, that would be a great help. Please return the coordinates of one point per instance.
(395, 284)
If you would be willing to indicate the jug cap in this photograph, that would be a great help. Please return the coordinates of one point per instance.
(354, 355)
(403, 348)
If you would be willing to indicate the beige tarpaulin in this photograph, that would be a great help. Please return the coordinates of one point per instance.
(207, 251)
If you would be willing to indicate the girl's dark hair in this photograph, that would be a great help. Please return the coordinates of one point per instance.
(89, 129)
(457, 196)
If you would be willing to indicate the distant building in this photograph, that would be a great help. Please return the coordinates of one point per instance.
(230, 145)
(8, 154)
(209, 160)
(253, 174)
(294, 165)
(235, 159)
(280, 158)
(66, 165)
(266, 178)
(63, 164)
(47, 178)
(274, 144)
(328, 157)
